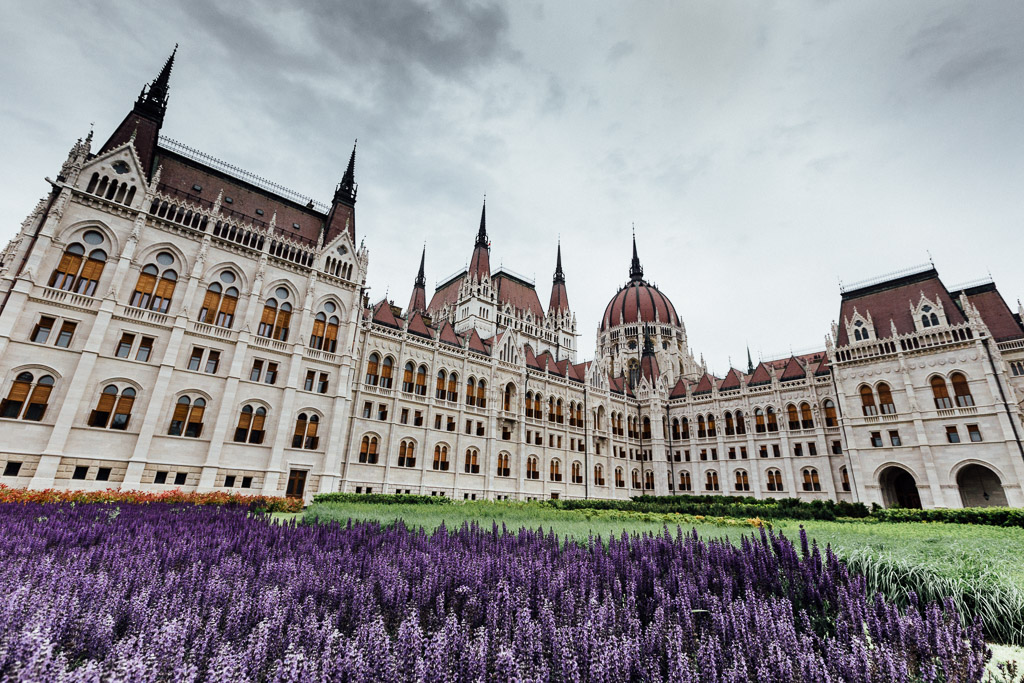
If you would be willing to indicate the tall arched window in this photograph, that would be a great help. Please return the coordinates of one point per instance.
(685, 483)
(676, 434)
(472, 461)
(276, 318)
(844, 478)
(28, 397)
(636, 479)
(794, 416)
(113, 402)
(408, 378)
(759, 423)
(407, 454)
(75, 272)
(470, 391)
(387, 371)
(442, 383)
(532, 471)
(551, 409)
(811, 481)
(867, 401)
(187, 419)
(806, 416)
(306, 432)
(555, 470)
(885, 402)
(773, 424)
(647, 427)
(509, 393)
(250, 427)
(529, 404)
(702, 430)
(742, 481)
(421, 381)
(961, 390)
(711, 481)
(741, 425)
(730, 427)
(441, 457)
(453, 387)
(619, 481)
(711, 425)
(830, 413)
(686, 428)
(577, 472)
(648, 480)
(559, 418)
(941, 393)
(536, 407)
(373, 369)
(219, 304)
(774, 480)
(503, 465)
(155, 287)
(598, 475)
(368, 450)
(481, 394)
(325, 329)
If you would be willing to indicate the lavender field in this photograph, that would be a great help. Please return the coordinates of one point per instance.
(182, 593)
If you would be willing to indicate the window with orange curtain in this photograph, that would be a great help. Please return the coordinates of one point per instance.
(885, 402)
(961, 390)
(481, 394)
(387, 368)
(421, 381)
(941, 393)
(830, 413)
(66, 272)
(867, 401)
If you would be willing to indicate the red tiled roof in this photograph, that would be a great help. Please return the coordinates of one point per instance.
(531, 358)
(383, 315)
(649, 367)
(617, 384)
(447, 294)
(892, 300)
(732, 380)
(759, 376)
(706, 383)
(448, 336)
(520, 295)
(679, 390)
(419, 327)
(638, 299)
(578, 371)
(146, 132)
(823, 367)
(559, 298)
(994, 312)
(546, 360)
(476, 343)
(418, 300)
(793, 370)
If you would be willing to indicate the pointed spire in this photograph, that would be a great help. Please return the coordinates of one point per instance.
(347, 188)
(559, 301)
(421, 280)
(636, 271)
(750, 362)
(418, 300)
(480, 263)
(152, 101)
(481, 235)
(559, 274)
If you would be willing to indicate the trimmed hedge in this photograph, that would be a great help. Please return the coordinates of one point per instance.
(255, 503)
(381, 499)
(723, 506)
(994, 516)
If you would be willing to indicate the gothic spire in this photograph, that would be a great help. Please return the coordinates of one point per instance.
(152, 101)
(480, 264)
(750, 362)
(636, 271)
(418, 300)
(559, 297)
(481, 235)
(347, 188)
(559, 275)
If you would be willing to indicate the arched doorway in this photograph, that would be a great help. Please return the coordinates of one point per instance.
(980, 487)
(899, 489)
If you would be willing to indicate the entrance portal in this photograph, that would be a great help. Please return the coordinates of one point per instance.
(899, 488)
(980, 487)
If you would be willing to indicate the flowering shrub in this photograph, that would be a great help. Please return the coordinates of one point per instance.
(257, 503)
(186, 593)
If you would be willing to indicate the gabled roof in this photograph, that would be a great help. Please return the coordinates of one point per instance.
(546, 361)
(520, 294)
(679, 390)
(705, 384)
(823, 367)
(733, 380)
(383, 315)
(448, 336)
(418, 326)
(617, 384)
(760, 376)
(649, 367)
(793, 370)
(476, 344)
(446, 294)
(997, 316)
(578, 372)
(531, 358)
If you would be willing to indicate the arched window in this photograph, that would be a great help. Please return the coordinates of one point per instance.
(187, 419)
(536, 407)
(306, 432)
(503, 465)
(844, 478)
(408, 378)
(711, 426)
(77, 273)
(961, 390)
(442, 383)
(219, 304)
(532, 471)
(711, 481)
(686, 428)
(774, 480)
(885, 399)
(155, 287)
(551, 409)
(759, 424)
(619, 481)
(453, 387)
(636, 479)
(325, 329)
(559, 418)
(773, 424)
(276, 318)
(250, 427)
(648, 481)
(806, 417)
(794, 416)
(407, 454)
(676, 434)
(470, 392)
(741, 426)
(472, 461)
(702, 430)
(867, 401)
(811, 481)
(441, 457)
(387, 371)
(730, 427)
(421, 381)
(368, 450)
(529, 404)
(481, 394)
(941, 393)
(598, 475)
(373, 369)
(742, 481)
(113, 402)
(647, 427)
(555, 470)
(28, 398)
(509, 393)
(830, 413)
(685, 483)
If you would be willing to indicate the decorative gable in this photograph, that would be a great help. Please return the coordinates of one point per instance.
(116, 176)
(859, 328)
(928, 314)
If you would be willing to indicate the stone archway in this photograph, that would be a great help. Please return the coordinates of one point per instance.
(899, 488)
(980, 487)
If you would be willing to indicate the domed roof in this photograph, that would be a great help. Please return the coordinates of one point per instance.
(638, 300)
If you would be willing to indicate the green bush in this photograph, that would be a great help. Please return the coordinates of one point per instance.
(723, 506)
(380, 499)
(994, 516)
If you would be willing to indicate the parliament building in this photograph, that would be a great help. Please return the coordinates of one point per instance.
(168, 320)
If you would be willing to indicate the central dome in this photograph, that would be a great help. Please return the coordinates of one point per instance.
(636, 301)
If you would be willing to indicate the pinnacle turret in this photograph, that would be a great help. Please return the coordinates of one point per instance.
(480, 263)
(559, 301)
(347, 188)
(152, 101)
(418, 300)
(636, 271)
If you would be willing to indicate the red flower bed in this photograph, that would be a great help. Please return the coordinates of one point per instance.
(267, 503)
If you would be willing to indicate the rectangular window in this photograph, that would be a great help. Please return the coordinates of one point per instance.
(271, 376)
(405, 416)
(257, 370)
(798, 450)
(974, 433)
(195, 361)
(124, 347)
(743, 452)
(732, 453)
(812, 448)
(417, 419)
(67, 331)
(714, 454)
(479, 428)
(160, 477)
(321, 386)
(212, 362)
(837, 447)
(876, 439)
(437, 421)
(229, 481)
(952, 435)
(310, 380)
(246, 482)
(382, 412)
(80, 472)
(12, 469)
(686, 454)
(179, 478)
(145, 350)
(367, 409)
(703, 454)
(41, 332)
(894, 438)
(103, 474)
(775, 450)
(469, 426)
(451, 424)
(763, 452)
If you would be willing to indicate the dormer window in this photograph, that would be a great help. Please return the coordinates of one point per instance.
(928, 317)
(860, 332)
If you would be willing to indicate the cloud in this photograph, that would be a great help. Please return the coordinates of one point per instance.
(620, 50)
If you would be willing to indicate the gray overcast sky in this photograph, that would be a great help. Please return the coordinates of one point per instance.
(762, 149)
